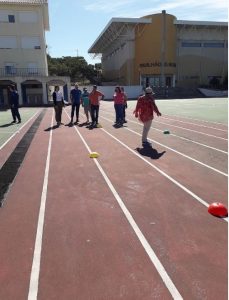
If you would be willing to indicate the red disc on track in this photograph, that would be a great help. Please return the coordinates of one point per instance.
(218, 209)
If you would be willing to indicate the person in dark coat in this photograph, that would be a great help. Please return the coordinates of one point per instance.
(58, 102)
(14, 103)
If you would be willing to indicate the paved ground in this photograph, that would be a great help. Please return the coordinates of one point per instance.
(132, 224)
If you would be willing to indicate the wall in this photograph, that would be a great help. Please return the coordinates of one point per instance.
(22, 57)
(132, 92)
(196, 65)
(148, 47)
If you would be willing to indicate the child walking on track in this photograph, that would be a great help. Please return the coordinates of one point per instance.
(144, 112)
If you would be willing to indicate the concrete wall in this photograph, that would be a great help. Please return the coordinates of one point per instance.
(132, 92)
(196, 65)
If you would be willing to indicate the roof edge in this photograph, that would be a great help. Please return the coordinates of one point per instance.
(200, 23)
(120, 20)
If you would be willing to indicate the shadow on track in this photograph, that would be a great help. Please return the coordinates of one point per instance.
(150, 152)
(52, 128)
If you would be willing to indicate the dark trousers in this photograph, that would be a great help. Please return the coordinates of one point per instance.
(15, 113)
(75, 107)
(58, 111)
(94, 113)
(119, 113)
(124, 112)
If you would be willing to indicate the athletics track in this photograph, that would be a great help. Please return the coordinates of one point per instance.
(132, 224)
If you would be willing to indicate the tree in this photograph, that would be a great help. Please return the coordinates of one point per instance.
(75, 67)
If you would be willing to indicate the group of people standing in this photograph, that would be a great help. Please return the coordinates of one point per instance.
(90, 102)
(144, 111)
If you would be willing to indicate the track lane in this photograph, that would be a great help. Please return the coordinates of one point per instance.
(199, 121)
(211, 132)
(89, 250)
(189, 135)
(206, 183)
(18, 219)
(182, 237)
(205, 157)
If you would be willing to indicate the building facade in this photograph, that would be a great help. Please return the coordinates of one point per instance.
(160, 50)
(23, 58)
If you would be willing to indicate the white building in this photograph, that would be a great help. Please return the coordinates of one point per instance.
(23, 59)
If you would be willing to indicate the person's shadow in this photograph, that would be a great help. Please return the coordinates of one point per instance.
(6, 125)
(52, 128)
(150, 152)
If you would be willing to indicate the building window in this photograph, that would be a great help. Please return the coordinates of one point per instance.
(191, 44)
(28, 17)
(7, 16)
(11, 18)
(10, 69)
(32, 68)
(214, 45)
(30, 42)
(8, 42)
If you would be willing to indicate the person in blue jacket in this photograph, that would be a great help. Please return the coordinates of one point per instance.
(75, 96)
(14, 103)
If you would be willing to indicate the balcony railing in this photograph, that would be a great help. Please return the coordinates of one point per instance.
(23, 72)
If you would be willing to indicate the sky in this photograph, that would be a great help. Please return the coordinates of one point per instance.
(76, 24)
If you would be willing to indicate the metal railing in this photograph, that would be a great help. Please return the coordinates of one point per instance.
(24, 72)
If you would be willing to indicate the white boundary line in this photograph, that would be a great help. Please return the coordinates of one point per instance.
(170, 119)
(211, 122)
(217, 137)
(154, 259)
(177, 152)
(35, 271)
(207, 134)
(183, 138)
(178, 136)
(2, 146)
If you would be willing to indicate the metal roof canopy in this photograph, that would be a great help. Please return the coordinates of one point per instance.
(199, 23)
(116, 28)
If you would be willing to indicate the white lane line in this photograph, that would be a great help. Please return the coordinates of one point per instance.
(203, 202)
(35, 271)
(211, 122)
(177, 152)
(183, 138)
(154, 259)
(3, 145)
(203, 133)
(170, 119)
(178, 136)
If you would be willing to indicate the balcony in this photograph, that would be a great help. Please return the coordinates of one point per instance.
(22, 72)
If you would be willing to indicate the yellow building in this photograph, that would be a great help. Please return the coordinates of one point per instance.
(23, 59)
(159, 50)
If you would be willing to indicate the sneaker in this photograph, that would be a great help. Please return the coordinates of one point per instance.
(125, 121)
(14, 121)
(19, 122)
